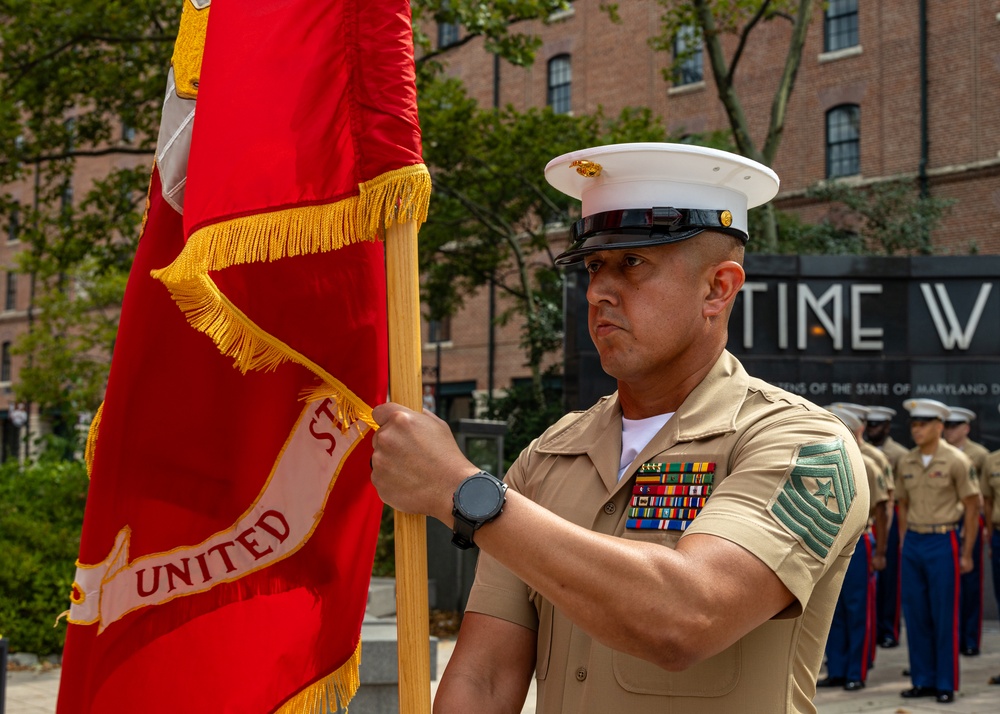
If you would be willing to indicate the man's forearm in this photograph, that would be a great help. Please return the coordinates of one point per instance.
(970, 525)
(881, 528)
(584, 574)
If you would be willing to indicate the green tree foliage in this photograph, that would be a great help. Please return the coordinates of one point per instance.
(888, 218)
(493, 214)
(495, 21)
(525, 419)
(77, 80)
(41, 515)
(883, 218)
(716, 19)
(85, 78)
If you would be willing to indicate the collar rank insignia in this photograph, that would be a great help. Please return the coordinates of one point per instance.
(668, 496)
(816, 496)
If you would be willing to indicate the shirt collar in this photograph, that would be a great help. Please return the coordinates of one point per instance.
(597, 432)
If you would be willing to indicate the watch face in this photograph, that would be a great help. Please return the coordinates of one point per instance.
(479, 498)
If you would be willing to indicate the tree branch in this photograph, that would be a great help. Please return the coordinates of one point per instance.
(27, 66)
(793, 60)
(744, 36)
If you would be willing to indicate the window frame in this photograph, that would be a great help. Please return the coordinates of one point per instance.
(834, 146)
(439, 331)
(448, 34)
(10, 299)
(559, 83)
(686, 67)
(840, 30)
(5, 363)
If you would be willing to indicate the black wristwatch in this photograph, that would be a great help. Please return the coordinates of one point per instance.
(478, 499)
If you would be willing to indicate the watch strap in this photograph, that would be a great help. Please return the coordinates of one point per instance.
(463, 531)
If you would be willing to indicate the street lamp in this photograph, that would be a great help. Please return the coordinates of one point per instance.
(19, 417)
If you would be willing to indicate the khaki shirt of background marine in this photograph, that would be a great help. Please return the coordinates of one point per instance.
(977, 454)
(935, 492)
(882, 465)
(894, 451)
(990, 484)
(789, 487)
(878, 492)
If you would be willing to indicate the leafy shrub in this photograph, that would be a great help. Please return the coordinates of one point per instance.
(41, 515)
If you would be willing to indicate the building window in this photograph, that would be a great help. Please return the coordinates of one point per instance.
(447, 34)
(560, 83)
(455, 401)
(70, 126)
(843, 141)
(14, 226)
(128, 133)
(688, 56)
(840, 25)
(439, 330)
(5, 362)
(10, 303)
(66, 199)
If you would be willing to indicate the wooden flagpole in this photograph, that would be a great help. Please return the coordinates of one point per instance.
(405, 387)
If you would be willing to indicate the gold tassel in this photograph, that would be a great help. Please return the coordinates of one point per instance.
(88, 452)
(323, 696)
(236, 336)
(394, 197)
(347, 413)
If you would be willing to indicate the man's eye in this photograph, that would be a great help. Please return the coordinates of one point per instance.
(592, 266)
(632, 260)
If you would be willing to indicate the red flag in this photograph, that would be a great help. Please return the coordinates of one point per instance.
(231, 524)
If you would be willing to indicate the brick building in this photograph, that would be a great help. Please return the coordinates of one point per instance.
(876, 98)
(20, 424)
(856, 113)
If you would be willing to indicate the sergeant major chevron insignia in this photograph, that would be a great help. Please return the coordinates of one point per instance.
(816, 496)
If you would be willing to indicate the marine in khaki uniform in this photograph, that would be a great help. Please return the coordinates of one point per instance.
(887, 607)
(936, 488)
(872, 452)
(679, 546)
(877, 428)
(881, 557)
(989, 482)
(848, 648)
(970, 617)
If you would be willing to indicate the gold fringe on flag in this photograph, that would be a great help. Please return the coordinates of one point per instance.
(236, 336)
(323, 696)
(347, 413)
(88, 452)
(397, 196)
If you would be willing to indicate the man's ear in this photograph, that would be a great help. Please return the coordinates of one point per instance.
(726, 280)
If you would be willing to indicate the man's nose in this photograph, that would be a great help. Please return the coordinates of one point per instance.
(602, 288)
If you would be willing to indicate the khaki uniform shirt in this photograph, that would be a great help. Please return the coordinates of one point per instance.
(977, 454)
(876, 480)
(990, 484)
(935, 492)
(789, 486)
(894, 451)
(882, 464)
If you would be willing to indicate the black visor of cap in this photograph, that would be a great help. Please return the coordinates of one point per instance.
(642, 227)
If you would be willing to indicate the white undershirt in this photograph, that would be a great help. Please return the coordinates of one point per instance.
(636, 433)
(926, 458)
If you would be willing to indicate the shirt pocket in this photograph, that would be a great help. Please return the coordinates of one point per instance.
(717, 676)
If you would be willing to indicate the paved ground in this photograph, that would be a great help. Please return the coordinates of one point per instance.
(35, 692)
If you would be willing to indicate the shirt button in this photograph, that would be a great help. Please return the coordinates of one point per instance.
(609, 508)
(581, 674)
